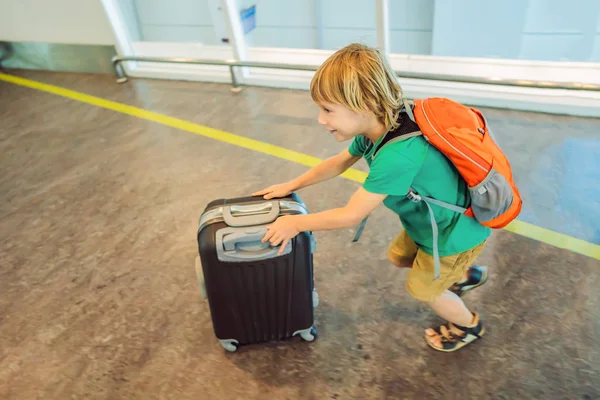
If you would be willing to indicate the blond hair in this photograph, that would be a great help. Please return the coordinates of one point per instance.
(361, 79)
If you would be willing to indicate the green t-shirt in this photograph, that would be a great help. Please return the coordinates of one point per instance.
(414, 163)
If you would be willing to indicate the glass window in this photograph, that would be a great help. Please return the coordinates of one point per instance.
(310, 24)
(540, 30)
(411, 26)
(197, 21)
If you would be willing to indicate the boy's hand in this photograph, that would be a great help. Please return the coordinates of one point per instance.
(281, 231)
(275, 191)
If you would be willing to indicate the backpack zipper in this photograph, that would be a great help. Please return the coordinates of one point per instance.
(450, 144)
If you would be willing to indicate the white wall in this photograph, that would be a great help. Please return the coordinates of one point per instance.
(55, 21)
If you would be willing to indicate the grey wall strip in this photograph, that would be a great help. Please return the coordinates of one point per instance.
(57, 57)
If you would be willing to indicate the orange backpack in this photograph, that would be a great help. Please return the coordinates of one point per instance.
(462, 134)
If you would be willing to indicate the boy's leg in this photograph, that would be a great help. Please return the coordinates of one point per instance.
(450, 307)
(464, 326)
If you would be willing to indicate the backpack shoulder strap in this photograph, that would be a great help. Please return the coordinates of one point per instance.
(408, 129)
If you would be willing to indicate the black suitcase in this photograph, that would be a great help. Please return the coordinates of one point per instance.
(254, 295)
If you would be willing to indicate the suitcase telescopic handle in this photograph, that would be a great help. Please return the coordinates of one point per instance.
(253, 219)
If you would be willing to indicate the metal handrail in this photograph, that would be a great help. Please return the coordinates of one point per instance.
(121, 77)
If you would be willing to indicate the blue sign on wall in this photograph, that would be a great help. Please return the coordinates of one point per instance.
(248, 16)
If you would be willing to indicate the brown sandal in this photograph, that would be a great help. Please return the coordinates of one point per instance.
(453, 337)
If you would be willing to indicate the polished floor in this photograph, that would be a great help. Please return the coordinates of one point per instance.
(98, 294)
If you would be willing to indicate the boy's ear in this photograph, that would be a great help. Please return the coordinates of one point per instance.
(367, 114)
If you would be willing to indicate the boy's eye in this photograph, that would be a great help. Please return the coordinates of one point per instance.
(326, 110)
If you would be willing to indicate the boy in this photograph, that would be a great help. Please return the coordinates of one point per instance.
(360, 100)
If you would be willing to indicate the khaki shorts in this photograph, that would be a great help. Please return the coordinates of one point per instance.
(420, 280)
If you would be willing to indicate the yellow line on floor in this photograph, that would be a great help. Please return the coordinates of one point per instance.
(519, 227)
(555, 239)
(216, 134)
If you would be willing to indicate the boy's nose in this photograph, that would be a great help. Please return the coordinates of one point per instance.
(321, 120)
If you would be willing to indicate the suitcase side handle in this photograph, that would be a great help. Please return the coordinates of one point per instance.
(254, 219)
(251, 249)
(244, 236)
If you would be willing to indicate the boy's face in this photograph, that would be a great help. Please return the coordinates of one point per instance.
(341, 122)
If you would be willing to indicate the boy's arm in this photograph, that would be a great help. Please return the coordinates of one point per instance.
(391, 173)
(359, 206)
(331, 167)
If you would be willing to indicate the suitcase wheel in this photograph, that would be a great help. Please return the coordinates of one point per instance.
(230, 345)
(309, 334)
(202, 289)
(200, 277)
